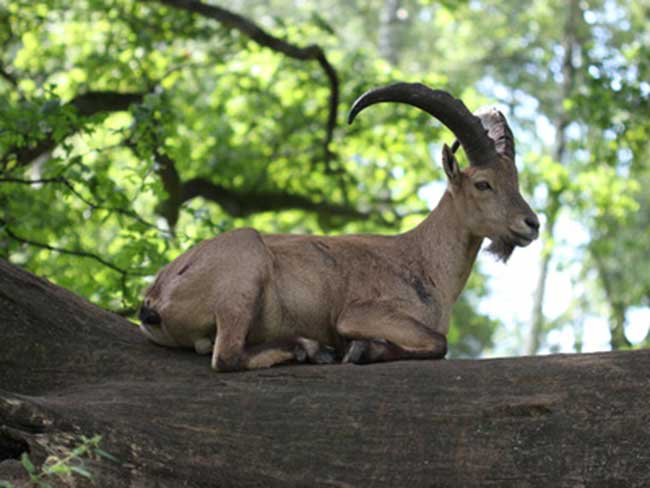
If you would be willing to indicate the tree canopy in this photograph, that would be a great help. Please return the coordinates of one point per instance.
(130, 130)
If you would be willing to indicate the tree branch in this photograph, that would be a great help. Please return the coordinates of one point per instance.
(86, 104)
(237, 203)
(258, 35)
(8, 77)
(94, 102)
(93, 206)
(244, 203)
(73, 252)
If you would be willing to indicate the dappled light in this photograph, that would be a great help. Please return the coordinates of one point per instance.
(130, 131)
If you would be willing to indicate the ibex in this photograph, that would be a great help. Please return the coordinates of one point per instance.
(269, 299)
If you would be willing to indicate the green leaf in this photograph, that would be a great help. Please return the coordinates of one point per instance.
(104, 454)
(58, 468)
(27, 463)
(318, 19)
(81, 471)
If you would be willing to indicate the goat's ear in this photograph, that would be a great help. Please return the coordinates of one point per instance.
(450, 164)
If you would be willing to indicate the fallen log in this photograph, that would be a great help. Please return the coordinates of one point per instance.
(69, 368)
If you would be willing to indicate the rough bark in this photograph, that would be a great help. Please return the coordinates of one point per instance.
(69, 368)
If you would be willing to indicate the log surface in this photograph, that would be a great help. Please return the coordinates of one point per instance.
(69, 368)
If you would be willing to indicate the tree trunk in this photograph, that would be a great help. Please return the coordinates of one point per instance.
(68, 368)
(617, 307)
(553, 207)
(537, 319)
(391, 30)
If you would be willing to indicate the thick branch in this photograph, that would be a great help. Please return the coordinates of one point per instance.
(254, 32)
(68, 368)
(87, 104)
(94, 102)
(238, 203)
(243, 203)
(8, 77)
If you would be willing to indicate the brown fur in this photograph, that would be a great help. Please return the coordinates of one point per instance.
(253, 290)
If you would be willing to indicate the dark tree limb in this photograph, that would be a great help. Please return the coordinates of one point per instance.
(8, 77)
(68, 368)
(86, 104)
(91, 204)
(244, 203)
(94, 102)
(258, 35)
(237, 203)
(4, 227)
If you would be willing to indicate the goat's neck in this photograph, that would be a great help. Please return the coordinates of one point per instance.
(447, 249)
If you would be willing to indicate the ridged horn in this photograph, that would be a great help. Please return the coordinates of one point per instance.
(498, 130)
(468, 128)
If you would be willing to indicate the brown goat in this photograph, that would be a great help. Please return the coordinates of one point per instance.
(269, 299)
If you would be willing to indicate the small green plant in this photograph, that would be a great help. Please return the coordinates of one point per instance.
(63, 467)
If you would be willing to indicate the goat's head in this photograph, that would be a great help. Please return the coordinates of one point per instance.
(486, 194)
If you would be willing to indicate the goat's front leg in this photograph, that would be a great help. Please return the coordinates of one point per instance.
(381, 335)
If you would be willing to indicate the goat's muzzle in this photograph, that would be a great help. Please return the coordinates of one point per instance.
(149, 316)
(525, 231)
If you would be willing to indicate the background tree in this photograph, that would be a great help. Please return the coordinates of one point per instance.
(130, 130)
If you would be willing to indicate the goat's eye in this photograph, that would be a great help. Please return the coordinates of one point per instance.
(482, 185)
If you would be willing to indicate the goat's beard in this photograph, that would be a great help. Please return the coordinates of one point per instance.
(501, 248)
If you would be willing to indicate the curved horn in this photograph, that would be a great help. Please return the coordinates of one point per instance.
(467, 128)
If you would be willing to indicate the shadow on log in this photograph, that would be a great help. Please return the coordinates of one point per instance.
(68, 368)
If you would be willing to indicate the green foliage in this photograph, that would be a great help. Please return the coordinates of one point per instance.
(102, 216)
(471, 333)
(220, 107)
(62, 468)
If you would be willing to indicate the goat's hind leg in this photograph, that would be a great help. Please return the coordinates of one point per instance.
(299, 350)
(232, 354)
(244, 265)
(274, 352)
(317, 353)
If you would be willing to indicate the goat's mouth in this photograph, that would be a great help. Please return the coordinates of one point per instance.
(520, 239)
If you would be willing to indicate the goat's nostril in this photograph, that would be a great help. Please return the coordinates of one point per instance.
(533, 223)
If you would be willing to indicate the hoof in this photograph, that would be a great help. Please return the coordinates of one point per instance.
(356, 352)
(227, 366)
(203, 346)
(300, 354)
(324, 355)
